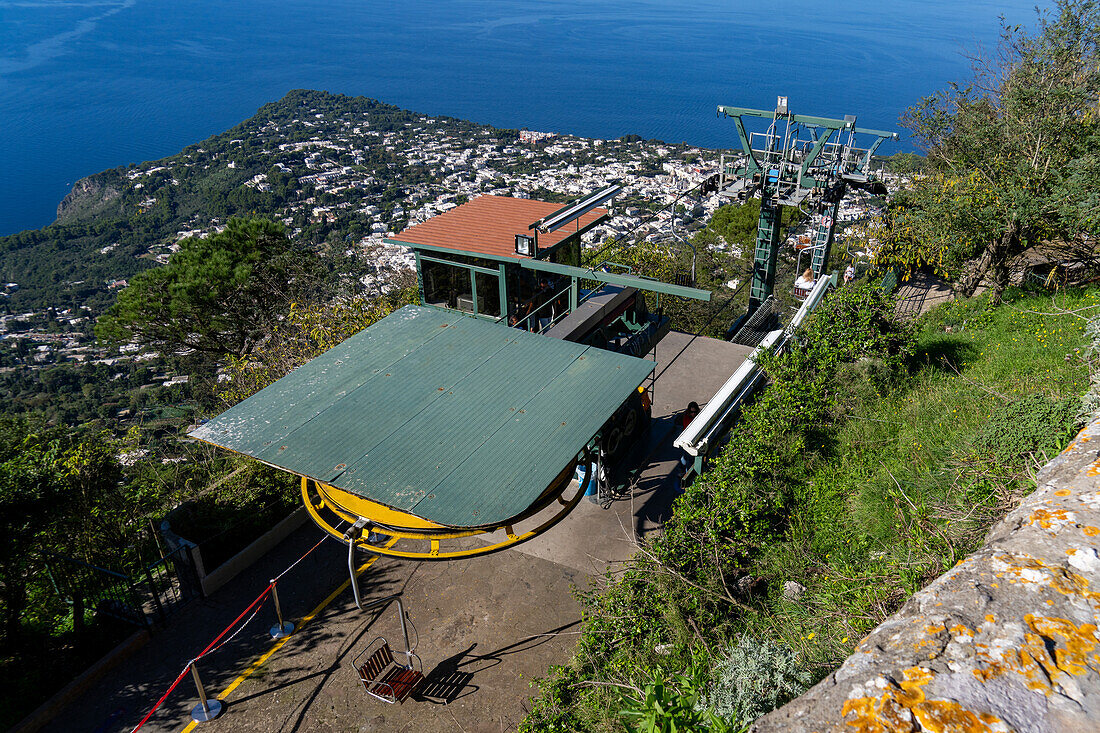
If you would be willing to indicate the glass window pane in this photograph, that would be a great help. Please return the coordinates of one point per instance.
(447, 286)
(488, 294)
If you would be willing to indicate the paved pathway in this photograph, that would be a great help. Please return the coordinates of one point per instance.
(920, 293)
(493, 622)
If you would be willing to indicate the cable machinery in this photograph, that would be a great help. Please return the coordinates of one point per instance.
(801, 161)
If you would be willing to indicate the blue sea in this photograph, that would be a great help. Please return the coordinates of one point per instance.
(92, 84)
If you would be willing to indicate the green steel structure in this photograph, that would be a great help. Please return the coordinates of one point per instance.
(803, 161)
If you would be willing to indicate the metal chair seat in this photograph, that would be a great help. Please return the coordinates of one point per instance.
(385, 678)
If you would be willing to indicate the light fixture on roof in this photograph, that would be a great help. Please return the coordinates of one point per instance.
(525, 245)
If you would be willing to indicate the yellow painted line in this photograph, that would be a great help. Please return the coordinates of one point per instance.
(280, 642)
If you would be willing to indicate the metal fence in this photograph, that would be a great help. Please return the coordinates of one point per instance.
(147, 596)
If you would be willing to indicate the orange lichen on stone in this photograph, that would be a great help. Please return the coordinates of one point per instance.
(934, 628)
(898, 706)
(1022, 662)
(1034, 661)
(1077, 641)
(1093, 469)
(1056, 577)
(1062, 492)
(1091, 531)
(1048, 518)
(1082, 437)
(989, 618)
(944, 715)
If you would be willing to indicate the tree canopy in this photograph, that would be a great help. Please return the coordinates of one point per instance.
(51, 480)
(1013, 156)
(220, 295)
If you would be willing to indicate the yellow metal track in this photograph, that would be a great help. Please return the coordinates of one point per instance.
(403, 528)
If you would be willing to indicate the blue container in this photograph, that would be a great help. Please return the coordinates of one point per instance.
(581, 475)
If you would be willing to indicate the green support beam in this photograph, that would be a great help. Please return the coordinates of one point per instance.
(797, 119)
(823, 238)
(812, 157)
(753, 164)
(865, 164)
(767, 248)
(627, 281)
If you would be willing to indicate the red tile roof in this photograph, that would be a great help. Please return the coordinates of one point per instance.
(489, 224)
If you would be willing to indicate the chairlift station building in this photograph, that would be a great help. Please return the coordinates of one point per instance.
(442, 421)
(469, 412)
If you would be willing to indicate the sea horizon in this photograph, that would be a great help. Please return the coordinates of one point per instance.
(95, 84)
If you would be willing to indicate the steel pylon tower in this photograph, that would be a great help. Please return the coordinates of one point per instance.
(802, 161)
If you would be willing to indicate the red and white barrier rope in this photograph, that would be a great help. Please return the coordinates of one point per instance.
(214, 645)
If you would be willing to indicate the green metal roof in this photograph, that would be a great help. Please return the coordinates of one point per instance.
(457, 420)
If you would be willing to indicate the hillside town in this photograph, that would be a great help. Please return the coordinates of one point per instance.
(333, 165)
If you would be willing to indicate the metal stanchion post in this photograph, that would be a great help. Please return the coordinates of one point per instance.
(283, 628)
(352, 535)
(206, 709)
(405, 633)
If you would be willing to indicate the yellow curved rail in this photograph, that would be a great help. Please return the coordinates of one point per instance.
(419, 530)
(351, 505)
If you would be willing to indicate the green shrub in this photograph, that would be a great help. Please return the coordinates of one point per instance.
(754, 677)
(1027, 426)
(673, 704)
(553, 711)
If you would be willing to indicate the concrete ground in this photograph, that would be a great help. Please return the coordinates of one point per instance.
(483, 627)
(921, 293)
(598, 535)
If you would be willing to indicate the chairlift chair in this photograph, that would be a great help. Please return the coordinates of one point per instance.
(802, 293)
(383, 677)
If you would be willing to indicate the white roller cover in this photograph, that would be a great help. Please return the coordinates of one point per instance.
(698, 435)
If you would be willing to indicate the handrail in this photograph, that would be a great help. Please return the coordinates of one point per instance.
(694, 438)
(812, 301)
(549, 301)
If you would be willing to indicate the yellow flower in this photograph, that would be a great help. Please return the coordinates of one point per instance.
(810, 637)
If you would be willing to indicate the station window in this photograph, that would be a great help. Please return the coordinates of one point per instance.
(447, 286)
(488, 294)
(460, 287)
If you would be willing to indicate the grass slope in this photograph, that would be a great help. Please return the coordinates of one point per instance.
(893, 477)
(915, 476)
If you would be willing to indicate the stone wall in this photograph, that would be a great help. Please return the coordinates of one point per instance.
(1007, 640)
